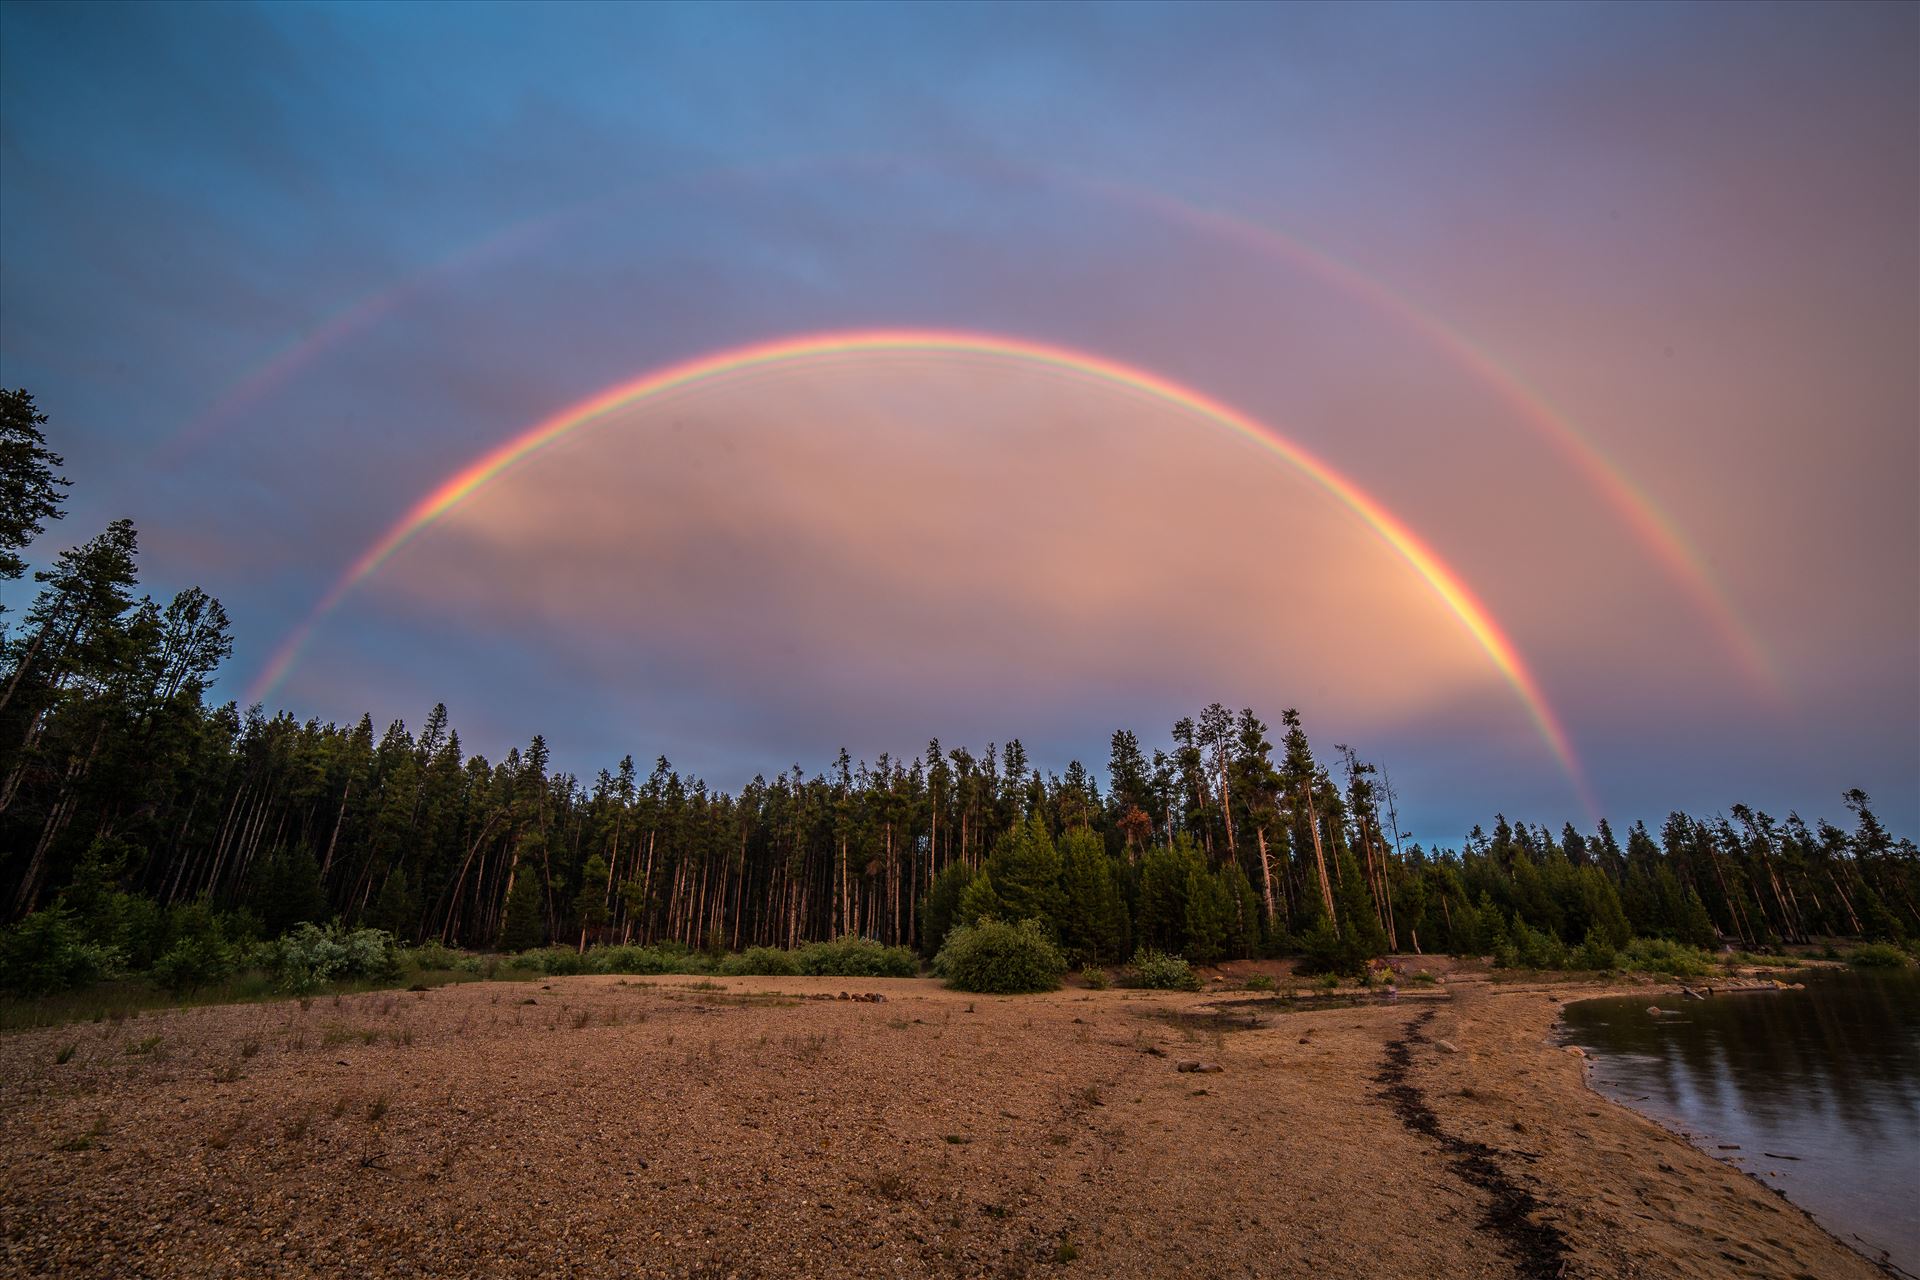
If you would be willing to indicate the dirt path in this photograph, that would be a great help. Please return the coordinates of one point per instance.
(602, 1127)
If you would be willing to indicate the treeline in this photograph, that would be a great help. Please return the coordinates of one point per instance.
(126, 800)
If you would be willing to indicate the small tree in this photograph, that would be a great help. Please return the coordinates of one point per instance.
(590, 904)
(525, 925)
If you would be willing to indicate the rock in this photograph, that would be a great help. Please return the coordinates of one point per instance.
(1653, 1011)
(877, 998)
(1446, 1046)
(1194, 1065)
(1576, 1051)
(845, 996)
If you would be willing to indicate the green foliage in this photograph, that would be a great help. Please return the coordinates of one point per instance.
(48, 952)
(1096, 978)
(766, 962)
(1162, 971)
(1528, 948)
(1025, 869)
(434, 955)
(394, 909)
(1093, 921)
(941, 908)
(555, 962)
(195, 960)
(309, 957)
(856, 957)
(1597, 952)
(1258, 982)
(647, 960)
(1663, 955)
(1878, 955)
(1000, 958)
(525, 925)
(289, 892)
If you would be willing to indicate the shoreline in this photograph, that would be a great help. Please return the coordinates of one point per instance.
(1590, 1063)
(763, 1127)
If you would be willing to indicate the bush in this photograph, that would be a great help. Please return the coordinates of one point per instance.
(1000, 958)
(194, 961)
(856, 957)
(1162, 972)
(1878, 955)
(309, 957)
(555, 962)
(46, 952)
(766, 962)
(1259, 982)
(1595, 953)
(1095, 977)
(1663, 955)
(1530, 948)
(657, 959)
(436, 955)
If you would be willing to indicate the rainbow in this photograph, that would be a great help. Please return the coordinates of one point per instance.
(1632, 504)
(1629, 502)
(722, 364)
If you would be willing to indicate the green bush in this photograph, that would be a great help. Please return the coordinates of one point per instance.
(1162, 972)
(1663, 955)
(435, 956)
(662, 957)
(555, 962)
(309, 957)
(765, 962)
(1259, 982)
(1878, 955)
(1595, 953)
(47, 952)
(195, 961)
(1001, 958)
(1530, 948)
(856, 957)
(1095, 977)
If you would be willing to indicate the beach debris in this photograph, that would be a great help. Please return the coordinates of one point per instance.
(1690, 993)
(1653, 1011)
(1446, 1046)
(1729, 1146)
(1775, 1155)
(1576, 1051)
(1195, 1065)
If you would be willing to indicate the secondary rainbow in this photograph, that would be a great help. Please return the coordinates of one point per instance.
(715, 366)
(1630, 502)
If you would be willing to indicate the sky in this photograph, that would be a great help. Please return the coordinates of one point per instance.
(1571, 348)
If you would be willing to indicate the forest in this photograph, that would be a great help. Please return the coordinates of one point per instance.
(142, 819)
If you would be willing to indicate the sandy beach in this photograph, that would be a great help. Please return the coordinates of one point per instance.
(602, 1126)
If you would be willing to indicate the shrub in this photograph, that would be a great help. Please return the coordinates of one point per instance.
(1663, 955)
(1259, 982)
(193, 962)
(1001, 958)
(1162, 972)
(434, 955)
(47, 952)
(1530, 948)
(1095, 977)
(1595, 953)
(1878, 955)
(555, 962)
(856, 957)
(656, 959)
(309, 957)
(767, 962)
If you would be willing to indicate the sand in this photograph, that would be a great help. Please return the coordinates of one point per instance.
(602, 1126)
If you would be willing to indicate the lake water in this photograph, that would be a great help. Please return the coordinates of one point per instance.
(1819, 1088)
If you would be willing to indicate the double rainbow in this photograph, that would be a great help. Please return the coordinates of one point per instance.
(716, 366)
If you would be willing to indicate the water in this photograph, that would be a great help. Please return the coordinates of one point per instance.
(1829, 1076)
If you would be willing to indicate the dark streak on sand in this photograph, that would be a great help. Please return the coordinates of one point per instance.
(1537, 1247)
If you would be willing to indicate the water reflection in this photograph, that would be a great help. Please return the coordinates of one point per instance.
(1819, 1088)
